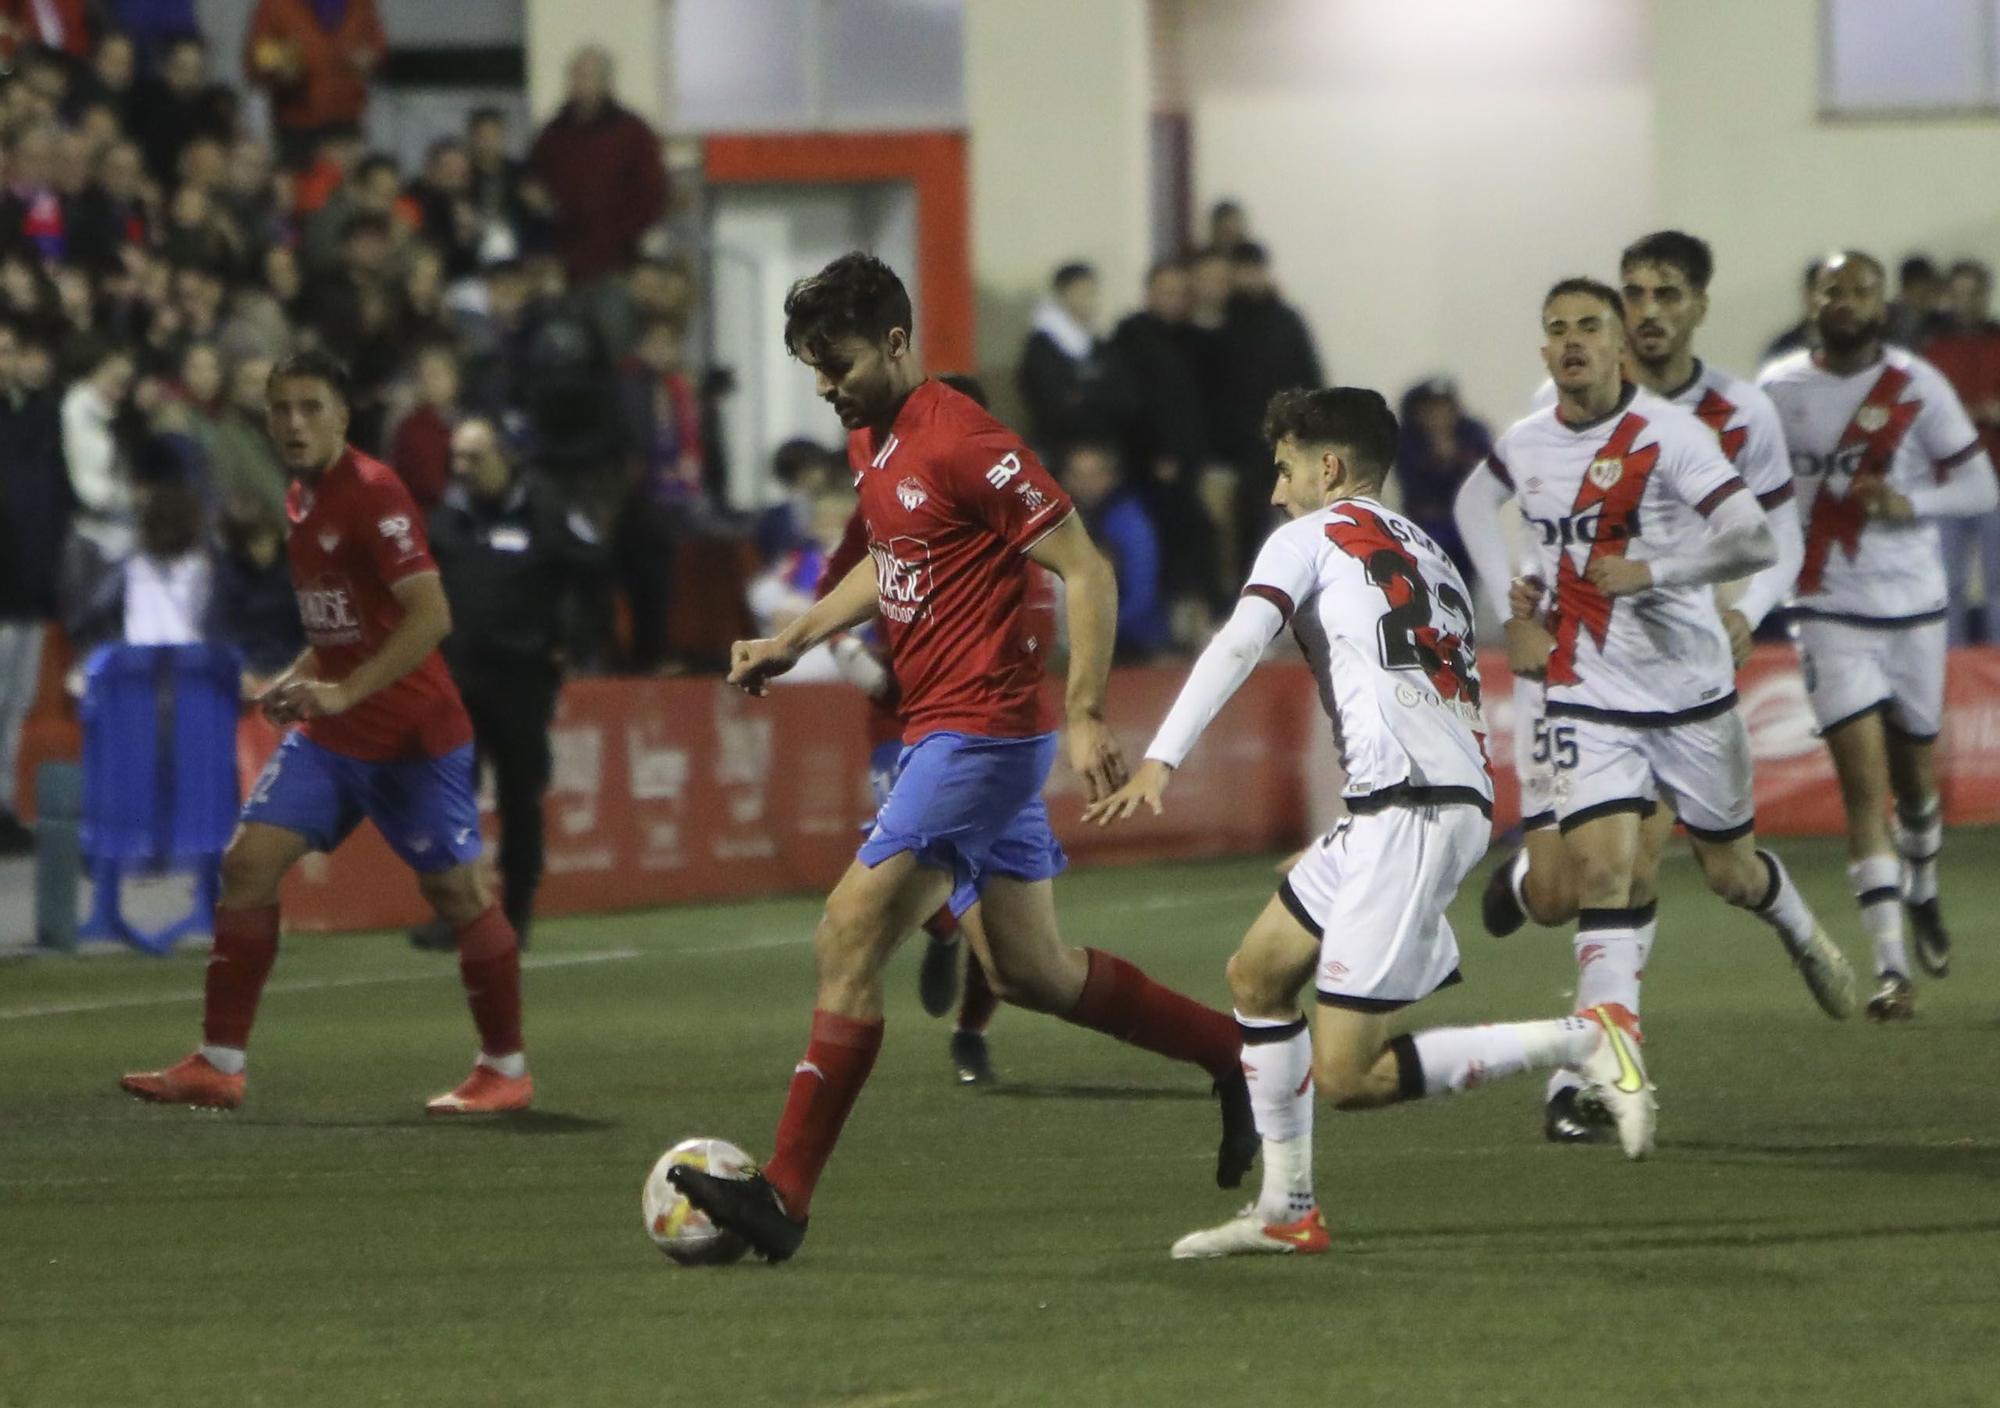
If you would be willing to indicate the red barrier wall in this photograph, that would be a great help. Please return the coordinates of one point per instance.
(667, 791)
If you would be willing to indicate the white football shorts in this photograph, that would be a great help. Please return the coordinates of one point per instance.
(1375, 889)
(1533, 766)
(1853, 669)
(1700, 768)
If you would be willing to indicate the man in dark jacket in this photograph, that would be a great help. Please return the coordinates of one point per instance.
(600, 164)
(35, 507)
(1267, 349)
(1168, 441)
(1071, 388)
(509, 555)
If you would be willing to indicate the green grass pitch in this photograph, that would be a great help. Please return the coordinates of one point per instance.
(1820, 1225)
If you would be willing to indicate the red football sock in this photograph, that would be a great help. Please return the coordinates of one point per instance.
(943, 924)
(824, 1087)
(1121, 1001)
(975, 1006)
(489, 963)
(246, 945)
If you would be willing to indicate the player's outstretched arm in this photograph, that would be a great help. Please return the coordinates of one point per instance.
(754, 663)
(1091, 607)
(1215, 678)
(426, 622)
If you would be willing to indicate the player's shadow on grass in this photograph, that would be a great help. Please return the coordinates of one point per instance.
(1961, 1160)
(1056, 1091)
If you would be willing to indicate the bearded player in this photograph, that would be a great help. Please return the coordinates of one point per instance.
(382, 735)
(957, 509)
(1883, 451)
(1665, 279)
(1386, 625)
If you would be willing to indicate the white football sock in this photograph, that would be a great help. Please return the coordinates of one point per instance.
(1784, 908)
(1587, 992)
(1877, 889)
(1452, 1059)
(1277, 1064)
(230, 1060)
(1607, 957)
(513, 1067)
(1919, 837)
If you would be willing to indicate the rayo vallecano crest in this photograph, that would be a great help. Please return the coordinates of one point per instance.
(1607, 471)
(1871, 418)
(912, 495)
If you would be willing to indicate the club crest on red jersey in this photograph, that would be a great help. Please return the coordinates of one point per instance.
(328, 541)
(911, 495)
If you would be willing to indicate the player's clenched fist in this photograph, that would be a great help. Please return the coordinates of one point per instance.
(1094, 753)
(1619, 576)
(1147, 786)
(754, 663)
(1524, 597)
(280, 701)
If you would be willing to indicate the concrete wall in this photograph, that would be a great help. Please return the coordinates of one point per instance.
(1058, 99)
(1423, 170)
(1742, 157)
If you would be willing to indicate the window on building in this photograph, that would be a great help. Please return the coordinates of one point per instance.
(1909, 56)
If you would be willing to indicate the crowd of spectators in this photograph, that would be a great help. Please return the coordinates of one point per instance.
(1164, 413)
(157, 253)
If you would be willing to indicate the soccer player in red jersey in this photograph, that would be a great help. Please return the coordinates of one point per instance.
(957, 508)
(383, 735)
(863, 659)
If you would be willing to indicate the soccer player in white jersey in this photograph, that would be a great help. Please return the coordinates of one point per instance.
(1883, 450)
(1386, 625)
(1635, 514)
(1665, 277)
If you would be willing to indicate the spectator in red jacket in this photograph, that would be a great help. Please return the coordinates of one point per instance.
(600, 165)
(315, 58)
(1966, 348)
(421, 449)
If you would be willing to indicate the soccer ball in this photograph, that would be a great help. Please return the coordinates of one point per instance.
(678, 1227)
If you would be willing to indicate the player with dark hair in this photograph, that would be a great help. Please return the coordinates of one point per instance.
(383, 735)
(1884, 451)
(957, 507)
(1634, 513)
(1385, 622)
(1665, 277)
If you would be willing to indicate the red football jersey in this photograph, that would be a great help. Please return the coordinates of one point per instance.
(354, 535)
(953, 500)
